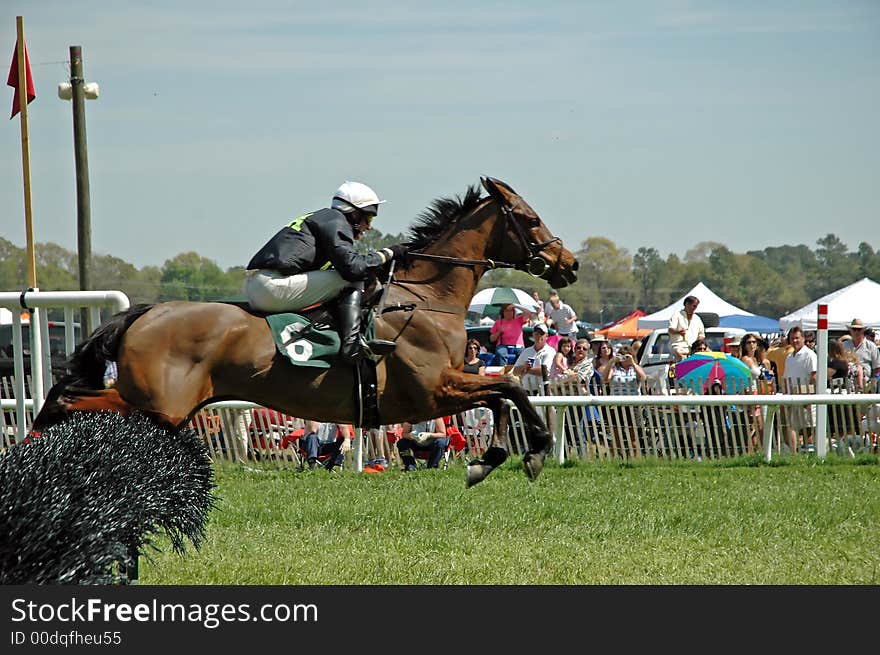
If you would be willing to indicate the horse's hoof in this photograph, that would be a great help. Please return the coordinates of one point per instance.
(477, 472)
(533, 463)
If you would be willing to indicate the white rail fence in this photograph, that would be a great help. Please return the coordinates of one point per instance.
(584, 428)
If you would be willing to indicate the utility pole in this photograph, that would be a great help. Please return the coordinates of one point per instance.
(77, 91)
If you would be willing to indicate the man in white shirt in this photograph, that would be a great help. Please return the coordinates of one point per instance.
(800, 377)
(528, 364)
(561, 317)
(685, 327)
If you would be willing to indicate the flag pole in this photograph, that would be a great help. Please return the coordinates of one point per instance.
(37, 391)
(25, 154)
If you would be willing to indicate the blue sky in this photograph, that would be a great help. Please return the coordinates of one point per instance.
(658, 124)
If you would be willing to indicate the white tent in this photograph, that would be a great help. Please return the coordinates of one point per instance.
(858, 300)
(709, 302)
(5, 316)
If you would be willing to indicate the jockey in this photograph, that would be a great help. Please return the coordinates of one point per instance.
(312, 259)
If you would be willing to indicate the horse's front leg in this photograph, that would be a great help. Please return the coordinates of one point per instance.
(496, 452)
(465, 391)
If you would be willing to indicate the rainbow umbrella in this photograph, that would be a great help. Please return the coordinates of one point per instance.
(699, 371)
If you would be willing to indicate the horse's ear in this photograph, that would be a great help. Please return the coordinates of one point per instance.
(499, 190)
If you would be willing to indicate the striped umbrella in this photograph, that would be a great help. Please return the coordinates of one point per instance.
(489, 302)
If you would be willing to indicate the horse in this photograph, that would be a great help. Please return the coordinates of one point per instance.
(175, 357)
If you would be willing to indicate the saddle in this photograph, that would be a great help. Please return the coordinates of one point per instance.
(323, 316)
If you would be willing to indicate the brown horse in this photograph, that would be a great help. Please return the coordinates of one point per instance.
(175, 357)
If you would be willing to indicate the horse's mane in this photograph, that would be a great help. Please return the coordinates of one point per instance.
(442, 213)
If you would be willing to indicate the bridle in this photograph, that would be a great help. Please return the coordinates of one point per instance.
(535, 264)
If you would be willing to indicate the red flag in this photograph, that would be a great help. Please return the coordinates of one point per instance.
(13, 80)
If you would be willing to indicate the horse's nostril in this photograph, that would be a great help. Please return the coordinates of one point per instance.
(574, 266)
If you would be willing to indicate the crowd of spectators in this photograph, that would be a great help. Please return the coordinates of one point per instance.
(783, 363)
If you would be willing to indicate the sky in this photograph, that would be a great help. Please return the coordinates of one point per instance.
(655, 124)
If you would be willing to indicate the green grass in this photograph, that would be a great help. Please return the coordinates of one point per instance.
(796, 521)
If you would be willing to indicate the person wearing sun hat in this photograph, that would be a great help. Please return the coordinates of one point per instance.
(866, 351)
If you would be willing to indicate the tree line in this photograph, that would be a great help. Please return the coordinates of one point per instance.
(612, 281)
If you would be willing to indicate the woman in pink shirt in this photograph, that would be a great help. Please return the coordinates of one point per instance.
(507, 334)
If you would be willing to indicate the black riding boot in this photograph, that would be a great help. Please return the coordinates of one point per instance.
(353, 346)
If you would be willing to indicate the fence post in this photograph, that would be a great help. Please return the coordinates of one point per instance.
(820, 436)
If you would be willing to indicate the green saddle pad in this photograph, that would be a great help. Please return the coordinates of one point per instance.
(302, 342)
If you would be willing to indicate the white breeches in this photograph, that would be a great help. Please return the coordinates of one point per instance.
(271, 291)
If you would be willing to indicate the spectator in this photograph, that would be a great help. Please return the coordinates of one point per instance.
(866, 351)
(755, 359)
(623, 374)
(596, 341)
(472, 361)
(603, 355)
(685, 327)
(845, 377)
(800, 377)
(625, 378)
(759, 366)
(841, 373)
(507, 333)
(531, 360)
(699, 346)
(767, 385)
(779, 350)
(562, 361)
(327, 440)
(561, 317)
(810, 340)
(539, 317)
(582, 365)
(734, 347)
(426, 435)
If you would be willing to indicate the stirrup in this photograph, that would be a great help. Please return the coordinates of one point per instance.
(378, 347)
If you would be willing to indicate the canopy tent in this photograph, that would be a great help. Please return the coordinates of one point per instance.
(626, 327)
(858, 300)
(756, 323)
(709, 302)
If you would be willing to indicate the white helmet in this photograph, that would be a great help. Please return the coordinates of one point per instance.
(353, 195)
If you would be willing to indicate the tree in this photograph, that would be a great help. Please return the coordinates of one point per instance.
(189, 276)
(868, 262)
(835, 267)
(605, 289)
(647, 268)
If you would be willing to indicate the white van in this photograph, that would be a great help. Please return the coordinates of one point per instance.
(654, 355)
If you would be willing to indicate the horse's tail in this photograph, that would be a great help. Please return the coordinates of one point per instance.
(86, 365)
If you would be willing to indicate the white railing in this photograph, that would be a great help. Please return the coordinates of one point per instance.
(669, 427)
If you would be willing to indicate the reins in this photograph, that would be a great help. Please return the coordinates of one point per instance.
(458, 261)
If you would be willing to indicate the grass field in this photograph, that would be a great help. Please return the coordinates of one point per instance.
(796, 521)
